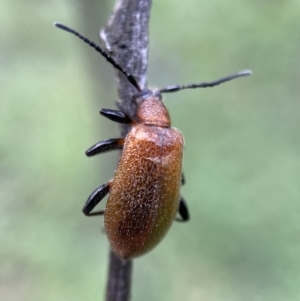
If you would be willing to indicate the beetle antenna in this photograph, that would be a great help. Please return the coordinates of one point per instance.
(175, 88)
(129, 76)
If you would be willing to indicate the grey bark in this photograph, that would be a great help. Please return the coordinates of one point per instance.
(126, 39)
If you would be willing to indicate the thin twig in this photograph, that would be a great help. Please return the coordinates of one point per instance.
(126, 39)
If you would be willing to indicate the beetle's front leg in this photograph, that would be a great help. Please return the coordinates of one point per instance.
(116, 116)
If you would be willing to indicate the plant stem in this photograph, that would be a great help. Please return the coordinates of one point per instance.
(126, 39)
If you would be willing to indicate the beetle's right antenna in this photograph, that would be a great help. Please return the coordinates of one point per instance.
(129, 76)
(175, 88)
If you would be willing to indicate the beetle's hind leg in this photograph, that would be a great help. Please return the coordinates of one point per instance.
(94, 199)
(104, 146)
(183, 211)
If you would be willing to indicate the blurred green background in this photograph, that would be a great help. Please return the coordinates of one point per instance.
(242, 153)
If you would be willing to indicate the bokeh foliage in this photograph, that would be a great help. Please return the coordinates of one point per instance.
(242, 154)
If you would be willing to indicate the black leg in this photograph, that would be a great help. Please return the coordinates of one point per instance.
(104, 146)
(183, 211)
(96, 196)
(182, 179)
(116, 116)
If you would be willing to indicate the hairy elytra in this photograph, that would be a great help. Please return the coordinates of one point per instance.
(144, 194)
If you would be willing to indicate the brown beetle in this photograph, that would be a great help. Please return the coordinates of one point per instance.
(144, 195)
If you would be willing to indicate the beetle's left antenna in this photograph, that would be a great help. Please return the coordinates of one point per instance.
(175, 88)
(129, 76)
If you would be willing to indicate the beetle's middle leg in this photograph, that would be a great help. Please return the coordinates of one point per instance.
(182, 179)
(104, 146)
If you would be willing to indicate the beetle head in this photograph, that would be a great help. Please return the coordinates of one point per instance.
(151, 110)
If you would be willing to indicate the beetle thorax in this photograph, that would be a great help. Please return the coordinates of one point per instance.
(151, 110)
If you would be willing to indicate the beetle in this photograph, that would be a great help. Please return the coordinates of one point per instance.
(144, 194)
